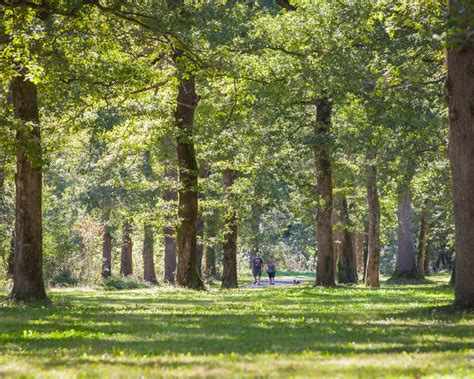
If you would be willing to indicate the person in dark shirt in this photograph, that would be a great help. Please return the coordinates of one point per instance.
(257, 264)
(271, 269)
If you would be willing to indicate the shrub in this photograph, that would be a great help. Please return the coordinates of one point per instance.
(64, 278)
(121, 283)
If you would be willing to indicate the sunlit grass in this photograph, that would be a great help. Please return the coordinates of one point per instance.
(290, 331)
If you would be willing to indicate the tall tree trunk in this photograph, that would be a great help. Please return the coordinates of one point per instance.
(229, 277)
(201, 223)
(373, 251)
(148, 247)
(28, 281)
(126, 267)
(365, 252)
(423, 244)
(358, 239)
(148, 236)
(326, 264)
(343, 247)
(209, 249)
(170, 196)
(187, 274)
(405, 266)
(459, 90)
(106, 246)
(200, 242)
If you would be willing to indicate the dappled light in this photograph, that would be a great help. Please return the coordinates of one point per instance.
(226, 188)
(169, 331)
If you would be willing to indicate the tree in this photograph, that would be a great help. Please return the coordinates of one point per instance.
(406, 265)
(106, 246)
(187, 274)
(373, 254)
(28, 259)
(148, 236)
(210, 234)
(459, 88)
(148, 260)
(229, 276)
(200, 243)
(344, 250)
(126, 266)
(326, 265)
(423, 244)
(170, 197)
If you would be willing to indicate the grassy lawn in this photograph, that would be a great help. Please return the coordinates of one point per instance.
(277, 332)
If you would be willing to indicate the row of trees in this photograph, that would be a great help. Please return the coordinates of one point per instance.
(135, 113)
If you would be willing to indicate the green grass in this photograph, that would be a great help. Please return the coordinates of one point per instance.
(409, 331)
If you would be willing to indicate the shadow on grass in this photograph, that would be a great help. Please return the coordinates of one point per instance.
(334, 321)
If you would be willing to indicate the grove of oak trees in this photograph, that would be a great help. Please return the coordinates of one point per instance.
(262, 95)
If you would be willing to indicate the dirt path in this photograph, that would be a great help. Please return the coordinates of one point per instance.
(280, 282)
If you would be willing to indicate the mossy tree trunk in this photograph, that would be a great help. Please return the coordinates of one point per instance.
(187, 274)
(28, 284)
(326, 263)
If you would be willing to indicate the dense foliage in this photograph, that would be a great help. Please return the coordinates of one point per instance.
(107, 75)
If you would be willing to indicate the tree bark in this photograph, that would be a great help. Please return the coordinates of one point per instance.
(405, 265)
(229, 277)
(209, 249)
(365, 252)
(459, 91)
(149, 273)
(28, 284)
(373, 251)
(343, 246)
(358, 249)
(187, 274)
(126, 267)
(170, 196)
(326, 264)
(106, 246)
(423, 244)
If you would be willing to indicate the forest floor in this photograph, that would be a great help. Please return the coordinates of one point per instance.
(408, 331)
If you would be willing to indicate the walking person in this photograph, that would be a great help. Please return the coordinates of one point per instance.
(257, 264)
(271, 270)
